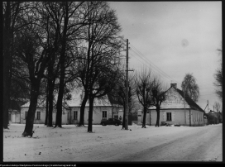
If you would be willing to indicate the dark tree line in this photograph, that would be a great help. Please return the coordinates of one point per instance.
(50, 46)
(12, 23)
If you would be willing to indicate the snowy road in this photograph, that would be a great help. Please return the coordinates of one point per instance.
(110, 143)
(200, 145)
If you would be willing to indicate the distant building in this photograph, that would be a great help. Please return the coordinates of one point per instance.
(14, 116)
(14, 110)
(102, 109)
(214, 117)
(176, 109)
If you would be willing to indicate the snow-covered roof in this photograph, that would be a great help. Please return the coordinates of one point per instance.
(76, 100)
(175, 99)
(26, 104)
(39, 104)
(77, 96)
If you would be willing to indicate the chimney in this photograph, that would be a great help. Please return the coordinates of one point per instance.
(174, 85)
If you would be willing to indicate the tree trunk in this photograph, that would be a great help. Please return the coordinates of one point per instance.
(82, 109)
(124, 109)
(6, 101)
(90, 116)
(144, 117)
(59, 106)
(32, 109)
(46, 109)
(62, 68)
(61, 92)
(158, 115)
(51, 98)
(6, 64)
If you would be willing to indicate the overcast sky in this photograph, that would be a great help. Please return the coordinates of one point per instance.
(174, 38)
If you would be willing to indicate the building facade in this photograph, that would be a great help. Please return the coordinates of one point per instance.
(102, 109)
(14, 116)
(177, 109)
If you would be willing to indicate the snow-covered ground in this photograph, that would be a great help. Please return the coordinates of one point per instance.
(106, 143)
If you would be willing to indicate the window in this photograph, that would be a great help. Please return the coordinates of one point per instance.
(104, 114)
(168, 116)
(38, 115)
(26, 113)
(75, 115)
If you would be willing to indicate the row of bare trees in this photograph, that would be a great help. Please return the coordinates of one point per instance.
(149, 91)
(53, 46)
(144, 88)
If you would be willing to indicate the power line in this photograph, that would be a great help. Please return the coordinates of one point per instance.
(147, 62)
(140, 58)
(151, 62)
(152, 67)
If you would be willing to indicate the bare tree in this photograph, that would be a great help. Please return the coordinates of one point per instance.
(219, 79)
(99, 50)
(65, 9)
(31, 50)
(12, 16)
(51, 20)
(158, 96)
(190, 87)
(144, 91)
(62, 44)
(118, 94)
(216, 106)
(69, 28)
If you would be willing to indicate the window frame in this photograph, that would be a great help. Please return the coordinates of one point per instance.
(38, 115)
(169, 116)
(75, 113)
(104, 114)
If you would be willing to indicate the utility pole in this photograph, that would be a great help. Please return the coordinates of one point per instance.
(126, 111)
(127, 89)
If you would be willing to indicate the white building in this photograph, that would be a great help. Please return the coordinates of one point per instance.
(176, 109)
(102, 109)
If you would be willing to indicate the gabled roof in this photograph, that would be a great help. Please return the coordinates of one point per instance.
(187, 99)
(75, 101)
(39, 104)
(77, 96)
(190, 102)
